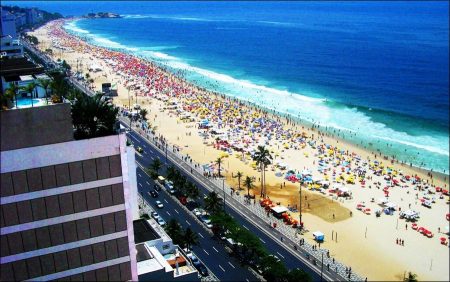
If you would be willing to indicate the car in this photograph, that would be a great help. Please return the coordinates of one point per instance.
(159, 204)
(209, 225)
(139, 150)
(156, 187)
(205, 219)
(201, 269)
(161, 221)
(155, 215)
(172, 191)
(197, 212)
(168, 185)
(193, 258)
(154, 194)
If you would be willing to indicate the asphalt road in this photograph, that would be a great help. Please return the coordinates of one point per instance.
(269, 237)
(211, 251)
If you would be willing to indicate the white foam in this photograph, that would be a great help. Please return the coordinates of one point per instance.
(73, 27)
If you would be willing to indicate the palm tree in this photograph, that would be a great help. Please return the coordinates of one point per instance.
(87, 77)
(93, 117)
(263, 158)
(29, 88)
(219, 162)
(189, 238)
(10, 95)
(248, 183)
(143, 114)
(173, 229)
(45, 83)
(239, 176)
(213, 203)
(412, 277)
(156, 165)
(171, 173)
(192, 191)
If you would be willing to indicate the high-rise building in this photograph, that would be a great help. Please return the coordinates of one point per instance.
(7, 24)
(66, 209)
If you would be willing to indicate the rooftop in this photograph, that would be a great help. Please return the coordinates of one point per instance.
(19, 66)
(143, 231)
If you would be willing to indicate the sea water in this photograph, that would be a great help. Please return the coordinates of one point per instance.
(376, 72)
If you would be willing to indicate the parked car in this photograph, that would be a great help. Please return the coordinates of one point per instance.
(205, 219)
(155, 215)
(172, 191)
(193, 258)
(154, 194)
(168, 185)
(197, 212)
(161, 221)
(159, 204)
(201, 268)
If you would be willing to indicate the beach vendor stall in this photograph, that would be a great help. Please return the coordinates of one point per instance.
(318, 236)
(278, 211)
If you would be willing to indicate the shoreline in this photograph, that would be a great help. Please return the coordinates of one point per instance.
(443, 177)
(318, 216)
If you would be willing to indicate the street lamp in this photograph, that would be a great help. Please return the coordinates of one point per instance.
(223, 188)
(166, 153)
(300, 208)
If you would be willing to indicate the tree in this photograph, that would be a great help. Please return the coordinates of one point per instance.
(173, 229)
(298, 274)
(171, 173)
(192, 191)
(219, 162)
(143, 113)
(239, 176)
(263, 158)
(248, 183)
(273, 269)
(213, 203)
(45, 83)
(412, 277)
(222, 222)
(156, 165)
(189, 238)
(93, 117)
(10, 95)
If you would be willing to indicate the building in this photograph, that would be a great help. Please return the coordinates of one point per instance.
(32, 16)
(21, 20)
(21, 71)
(8, 24)
(66, 209)
(158, 259)
(10, 47)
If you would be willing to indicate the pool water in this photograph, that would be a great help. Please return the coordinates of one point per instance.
(26, 102)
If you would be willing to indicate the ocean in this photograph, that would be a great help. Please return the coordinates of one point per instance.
(377, 72)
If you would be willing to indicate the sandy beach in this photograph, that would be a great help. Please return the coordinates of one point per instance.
(366, 242)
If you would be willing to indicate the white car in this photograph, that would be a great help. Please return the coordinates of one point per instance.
(161, 221)
(155, 215)
(159, 204)
(197, 212)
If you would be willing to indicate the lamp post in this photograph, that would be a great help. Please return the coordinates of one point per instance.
(300, 208)
(223, 189)
(166, 153)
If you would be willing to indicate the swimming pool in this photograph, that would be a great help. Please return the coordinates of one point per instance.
(26, 102)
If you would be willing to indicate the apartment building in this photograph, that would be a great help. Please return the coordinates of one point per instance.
(66, 206)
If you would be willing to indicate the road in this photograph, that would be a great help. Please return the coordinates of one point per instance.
(269, 237)
(209, 250)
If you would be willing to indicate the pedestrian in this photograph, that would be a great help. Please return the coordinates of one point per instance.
(403, 242)
(396, 241)
(333, 215)
(439, 230)
(406, 226)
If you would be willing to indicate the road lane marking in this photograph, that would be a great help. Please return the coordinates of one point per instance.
(152, 158)
(206, 252)
(176, 211)
(158, 157)
(221, 268)
(215, 249)
(147, 182)
(200, 234)
(168, 213)
(262, 240)
(280, 255)
(166, 201)
(145, 152)
(187, 222)
(246, 279)
(140, 184)
(231, 265)
(139, 175)
(245, 227)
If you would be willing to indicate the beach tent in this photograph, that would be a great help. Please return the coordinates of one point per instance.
(383, 201)
(390, 205)
(318, 236)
